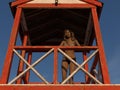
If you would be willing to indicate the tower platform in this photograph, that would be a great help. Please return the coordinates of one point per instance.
(40, 24)
(59, 87)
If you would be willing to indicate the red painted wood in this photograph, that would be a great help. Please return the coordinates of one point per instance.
(46, 48)
(55, 86)
(86, 65)
(21, 63)
(54, 6)
(27, 75)
(93, 66)
(103, 62)
(93, 2)
(18, 2)
(60, 87)
(9, 55)
(55, 73)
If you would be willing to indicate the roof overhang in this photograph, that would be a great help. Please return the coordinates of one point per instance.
(73, 12)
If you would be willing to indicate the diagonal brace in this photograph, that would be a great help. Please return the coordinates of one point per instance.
(31, 66)
(19, 2)
(79, 67)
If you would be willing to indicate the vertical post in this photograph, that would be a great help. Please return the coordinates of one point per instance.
(21, 63)
(9, 54)
(28, 73)
(55, 73)
(86, 65)
(103, 63)
(93, 67)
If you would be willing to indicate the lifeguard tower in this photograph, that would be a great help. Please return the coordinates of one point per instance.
(38, 27)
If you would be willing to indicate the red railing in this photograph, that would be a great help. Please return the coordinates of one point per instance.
(54, 49)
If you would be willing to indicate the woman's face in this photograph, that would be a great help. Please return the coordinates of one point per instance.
(67, 34)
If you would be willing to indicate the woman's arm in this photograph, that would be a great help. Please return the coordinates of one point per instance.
(77, 43)
(62, 43)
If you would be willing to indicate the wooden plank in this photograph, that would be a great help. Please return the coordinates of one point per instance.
(103, 63)
(18, 2)
(55, 72)
(60, 87)
(9, 55)
(94, 2)
(21, 63)
(59, 1)
(58, 6)
(46, 48)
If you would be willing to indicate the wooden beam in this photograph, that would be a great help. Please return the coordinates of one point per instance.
(60, 87)
(58, 6)
(86, 65)
(50, 24)
(75, 13)
(55, 75)
(21, 63)
(46, 48)
(25, 28)
(27, 75)
(103, 63)
(94, 64)
(94, 2)
(9, 55)
(88, 30)
(18, 2)
(37, 13)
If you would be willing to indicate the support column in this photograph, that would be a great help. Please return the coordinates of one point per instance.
(27, 75)
(86, 65)
(103, 63)
(9, 54)
(21, 63)
(55, 73)
(93, 67)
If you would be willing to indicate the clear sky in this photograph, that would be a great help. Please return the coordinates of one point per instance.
(110, 28)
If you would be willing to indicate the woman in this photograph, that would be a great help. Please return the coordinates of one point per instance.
(69, 40)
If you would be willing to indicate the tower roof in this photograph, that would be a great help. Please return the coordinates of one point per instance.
(59, 1)
(46, 25)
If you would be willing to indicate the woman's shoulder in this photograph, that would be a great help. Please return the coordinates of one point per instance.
(75, 39)
(76, 42)
(62, 43)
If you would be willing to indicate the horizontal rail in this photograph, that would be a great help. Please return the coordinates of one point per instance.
(60, 87)
(31, 67)
(58, 6)
(96, 85)
(80, 67)
(46, 48)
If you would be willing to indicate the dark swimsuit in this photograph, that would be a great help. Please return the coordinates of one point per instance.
(68, 61)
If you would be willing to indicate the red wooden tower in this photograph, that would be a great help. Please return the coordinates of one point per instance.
(39, 24)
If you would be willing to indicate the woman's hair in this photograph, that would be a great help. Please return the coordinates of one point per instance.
(72, 34)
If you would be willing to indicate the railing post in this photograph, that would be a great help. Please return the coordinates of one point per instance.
(21, 63)
(9, 54)
(29, 59)
(55, 73)
(86, 65)
(103, 63)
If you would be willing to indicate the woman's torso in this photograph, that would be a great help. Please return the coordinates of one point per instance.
(70, 53)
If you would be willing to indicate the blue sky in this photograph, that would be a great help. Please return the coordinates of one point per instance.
(110, 28)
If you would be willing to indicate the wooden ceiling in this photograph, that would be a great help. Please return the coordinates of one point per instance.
(46, 26)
